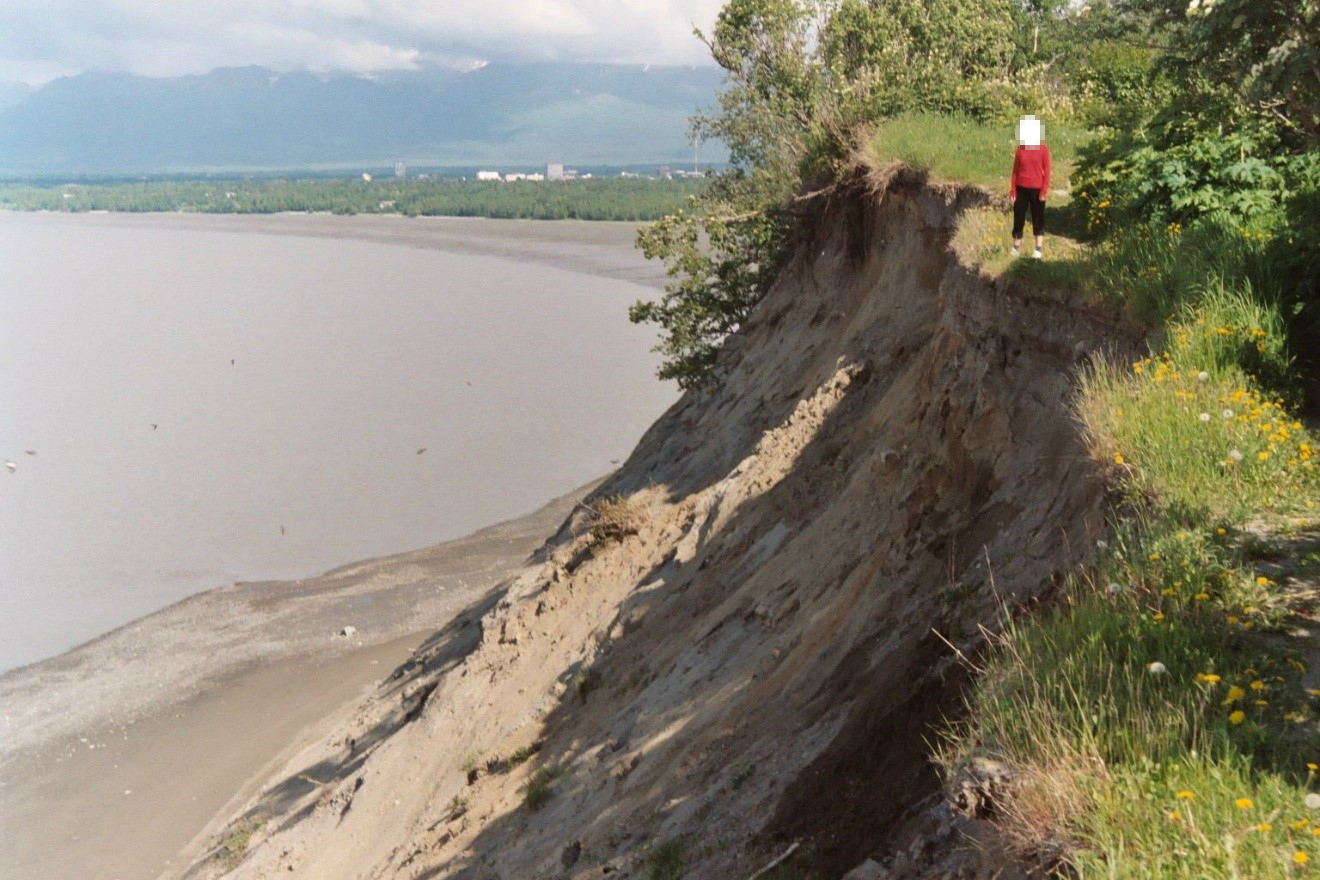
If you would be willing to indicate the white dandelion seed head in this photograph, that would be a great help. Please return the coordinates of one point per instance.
(1157, 668)
(1114, 588)
(1312, 801)
(1102, 544)
(1205, 417)
(1235, 455)
(1228, 414)
(1203, 376)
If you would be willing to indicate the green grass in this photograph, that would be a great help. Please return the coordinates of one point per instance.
(1192, 428)
(1101, 742)
(954, 148)
(984, 238)
(1154, 720)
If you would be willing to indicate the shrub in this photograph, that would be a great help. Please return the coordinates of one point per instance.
(538, 787)
(614, 518)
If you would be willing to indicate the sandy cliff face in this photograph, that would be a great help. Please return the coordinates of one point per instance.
(756, 661)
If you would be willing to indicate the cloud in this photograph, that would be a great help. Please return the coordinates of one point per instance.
(40, 39)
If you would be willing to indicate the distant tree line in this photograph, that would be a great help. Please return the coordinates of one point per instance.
(626, 199)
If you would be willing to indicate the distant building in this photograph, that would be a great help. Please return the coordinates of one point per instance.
(366, 177)
(665, 172)
(515, 175)
(554, 171)
(488, 175)
(536, 176)
(400, 170)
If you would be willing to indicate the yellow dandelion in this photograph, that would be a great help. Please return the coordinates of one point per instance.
(1257, 685)
(1168, 591)
(1154, 557)
(1235, 693)
(1158, 615)
(1201, 597)
(1244, 803)
(1186, 794)
(1263, 455)
(1207, 677)
(1299, 824)
(1233, 620)
(1301, 858)
(1311, 766)
(1237, 717)
(1264, 827)
(1262, 702)
(1118, 458)
(1221, 531)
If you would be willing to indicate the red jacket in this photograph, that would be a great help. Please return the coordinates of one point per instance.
(1031, 169)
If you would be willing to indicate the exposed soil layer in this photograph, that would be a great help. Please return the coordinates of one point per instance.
(756, 651)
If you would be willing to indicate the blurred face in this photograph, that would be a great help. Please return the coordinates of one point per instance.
(1029, 131)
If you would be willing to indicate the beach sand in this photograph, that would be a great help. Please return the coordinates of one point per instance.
(116, 755)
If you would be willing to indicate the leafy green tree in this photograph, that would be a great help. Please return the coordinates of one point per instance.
(803, 80)
(1235, 133)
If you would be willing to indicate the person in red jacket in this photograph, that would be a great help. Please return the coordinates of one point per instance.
(1030, 184)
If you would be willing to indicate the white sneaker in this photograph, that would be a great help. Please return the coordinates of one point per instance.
(1036, 254)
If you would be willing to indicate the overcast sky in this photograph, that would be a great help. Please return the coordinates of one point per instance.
(43, 39)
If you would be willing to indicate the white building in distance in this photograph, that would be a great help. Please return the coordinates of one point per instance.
(554, 171)
(488, 175)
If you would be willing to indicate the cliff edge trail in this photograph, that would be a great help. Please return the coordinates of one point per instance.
(738, 641)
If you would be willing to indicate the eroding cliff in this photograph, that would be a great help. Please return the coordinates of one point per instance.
(755, 655)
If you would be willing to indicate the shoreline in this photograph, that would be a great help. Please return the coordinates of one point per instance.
(117, 753)
(185, 707)
(603, 248)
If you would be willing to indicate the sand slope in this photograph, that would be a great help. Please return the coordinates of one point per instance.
(750, 659)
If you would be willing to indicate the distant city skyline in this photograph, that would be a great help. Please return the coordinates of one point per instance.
(41, 40)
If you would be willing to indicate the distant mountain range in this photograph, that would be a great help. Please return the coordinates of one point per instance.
(251, 118)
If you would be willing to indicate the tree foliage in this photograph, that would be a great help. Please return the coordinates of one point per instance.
(803, 79)
(594, 199)
(1235, 130)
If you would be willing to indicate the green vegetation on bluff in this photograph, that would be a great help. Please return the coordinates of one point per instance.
(629, 199)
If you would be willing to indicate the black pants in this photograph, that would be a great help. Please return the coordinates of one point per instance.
(1028, 197)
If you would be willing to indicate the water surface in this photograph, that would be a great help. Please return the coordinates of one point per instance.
(222, 399)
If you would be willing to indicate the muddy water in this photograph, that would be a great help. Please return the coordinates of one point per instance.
(220, 399)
